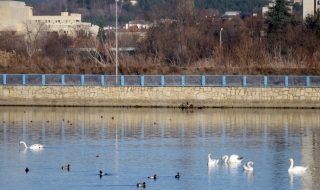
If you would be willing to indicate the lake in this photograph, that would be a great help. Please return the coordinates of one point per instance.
(130, 144)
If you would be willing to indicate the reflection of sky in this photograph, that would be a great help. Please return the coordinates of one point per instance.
(267, 137)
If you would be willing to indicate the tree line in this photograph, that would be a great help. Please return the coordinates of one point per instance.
(97, 11)
(190, 43)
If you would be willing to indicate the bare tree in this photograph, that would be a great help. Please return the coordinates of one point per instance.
(34, 32)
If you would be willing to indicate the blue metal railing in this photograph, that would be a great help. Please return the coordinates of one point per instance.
(159, 80)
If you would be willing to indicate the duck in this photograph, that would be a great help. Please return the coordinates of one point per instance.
(66, 167)
(178, 175)
(27, 169)
(153, 176)
(296, 168)
(233, 158)
(248, 166)
(141, 184)
(34, 146)
(212, 161)
(102, 173)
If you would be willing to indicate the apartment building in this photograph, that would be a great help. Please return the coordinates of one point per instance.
(310, 7)
(15, 15)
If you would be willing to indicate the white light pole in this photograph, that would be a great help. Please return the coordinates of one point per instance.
(117, 42)
(220, 37)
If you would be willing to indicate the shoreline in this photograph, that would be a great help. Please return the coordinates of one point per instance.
(160, 97)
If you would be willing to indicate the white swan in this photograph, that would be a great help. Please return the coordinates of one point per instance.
(296, 168)
(233, 158)
(248, 166)
(34, 146)
(212, 161)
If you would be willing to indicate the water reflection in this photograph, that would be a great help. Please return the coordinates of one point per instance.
(212, 168)
(296, 174)
(249, 173)
(136, 141)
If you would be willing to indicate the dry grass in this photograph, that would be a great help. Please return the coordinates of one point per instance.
(219, 64)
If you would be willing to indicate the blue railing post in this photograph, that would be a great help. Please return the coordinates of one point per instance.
(122, 80)
(4, 79)
(286, 81)
(203, 80)
(224, 81)
(182, 81)
(265, 81)
(82, 80)
(244, 81)
(102, 80)
(23, 80)
(62, 80)
(43, 80)
(142, 81)
(308, 81)
(162, 80)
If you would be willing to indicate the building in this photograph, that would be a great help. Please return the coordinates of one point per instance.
(310, 7)
(230, 15)
(134, 2)
(15, 15)
(266, 9)
(139, 24)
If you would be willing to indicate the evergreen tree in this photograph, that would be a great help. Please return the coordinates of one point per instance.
(279, 19)
(101, 35)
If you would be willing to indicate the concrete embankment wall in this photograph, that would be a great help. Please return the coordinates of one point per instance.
(159, 96)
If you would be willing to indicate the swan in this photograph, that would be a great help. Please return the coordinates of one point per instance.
(178, 175)
(248, 166)
(296, 168)
(34, 146)
(233, 158)
(141, 184)
(102, 173)
(212, 161)
(66, 167)
(153, 176)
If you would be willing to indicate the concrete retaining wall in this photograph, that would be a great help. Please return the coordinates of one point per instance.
(159, 96)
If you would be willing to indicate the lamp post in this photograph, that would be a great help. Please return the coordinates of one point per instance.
(220, 37)
(116, 42)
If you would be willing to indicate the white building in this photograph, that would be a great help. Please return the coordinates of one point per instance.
(14, 15)
(310, 7)
(134, 2)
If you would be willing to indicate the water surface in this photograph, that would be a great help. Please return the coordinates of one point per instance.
(133, 144)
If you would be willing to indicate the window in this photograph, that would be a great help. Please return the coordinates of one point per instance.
(47, 21)
(57, 21)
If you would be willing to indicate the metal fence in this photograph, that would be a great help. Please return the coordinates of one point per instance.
(159, 80)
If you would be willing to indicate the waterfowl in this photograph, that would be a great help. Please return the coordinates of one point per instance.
(141, 184)
(153, 176)
(102, 173)
(296, 168)
(66, 167)
(233, 158)
(27, 169)
(212, 161)
(178, 175)
(34, 146)
(248, 166)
